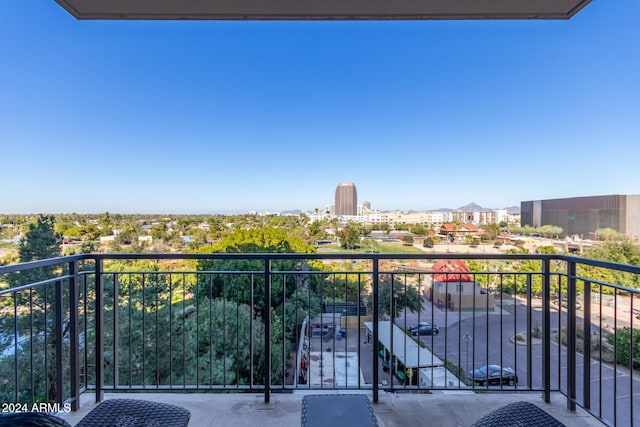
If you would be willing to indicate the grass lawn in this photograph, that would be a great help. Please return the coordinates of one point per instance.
(380, 247)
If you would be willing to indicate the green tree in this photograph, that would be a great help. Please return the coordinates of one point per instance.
(198, 235)
(40, 242)
(128, 233)
(624, 252)
(491, 231)
(238, 287)
(623, 340)
(403, 296)
(337, 286)
(159, 232)
(609, 234)
(349, 236)
(315, 229)
(90, 232)
(549, 230)
(89, 247)
(168, 335)
(546, 250)
(525, 230)
(106, 220)
(293, 296)
(428, 242)
(62, 227)
(419, 230)
(407, 240)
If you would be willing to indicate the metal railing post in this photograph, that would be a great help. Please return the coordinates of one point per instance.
(375, 315)
(74, 339)
(586, 351)
(391, 301)
(632, 345)
(267, 329)
(546, 329)
(59, 378)
(116, 330)
(571, 335)
(529, 333)
(99, 315)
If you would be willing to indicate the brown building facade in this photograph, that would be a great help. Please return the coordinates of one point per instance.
(346, 202)
(584, 215)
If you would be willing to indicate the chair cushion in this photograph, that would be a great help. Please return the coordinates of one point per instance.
(518, 414)
(31, 419)
(340, 410)
(135, 413)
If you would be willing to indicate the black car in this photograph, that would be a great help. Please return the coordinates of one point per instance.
(424, 328)
(493, 375)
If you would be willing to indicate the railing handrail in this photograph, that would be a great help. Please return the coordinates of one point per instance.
(49, 262)
(35, 284)
(627, 268)
(286, 255)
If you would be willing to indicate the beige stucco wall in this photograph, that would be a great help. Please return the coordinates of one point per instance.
(461, 297)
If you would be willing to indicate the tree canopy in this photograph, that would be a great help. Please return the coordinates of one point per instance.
(260, 240)
(624, 252)
(404, 296)
(349, 236)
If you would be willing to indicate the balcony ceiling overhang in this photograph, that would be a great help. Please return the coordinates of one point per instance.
(322, 9)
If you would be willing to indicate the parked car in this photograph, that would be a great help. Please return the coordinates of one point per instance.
(493, 375)
(424, 328)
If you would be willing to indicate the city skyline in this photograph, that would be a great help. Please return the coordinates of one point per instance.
(230, 117)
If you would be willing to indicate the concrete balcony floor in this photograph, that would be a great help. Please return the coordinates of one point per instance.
(392, 410)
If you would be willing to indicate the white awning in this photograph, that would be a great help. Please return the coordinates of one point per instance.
(405, 348)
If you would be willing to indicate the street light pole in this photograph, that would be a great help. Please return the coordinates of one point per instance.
(393, 308)
(467, 339)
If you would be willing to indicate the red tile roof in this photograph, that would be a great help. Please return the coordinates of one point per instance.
(461, 227)
(451, 270)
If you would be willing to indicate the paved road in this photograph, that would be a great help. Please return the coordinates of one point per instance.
(492, 342)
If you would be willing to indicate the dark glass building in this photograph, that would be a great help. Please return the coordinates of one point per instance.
(584, 215)
(346, 199)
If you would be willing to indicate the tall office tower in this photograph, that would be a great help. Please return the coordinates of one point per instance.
(346, 199)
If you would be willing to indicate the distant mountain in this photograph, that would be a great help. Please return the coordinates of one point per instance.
(513, 210)
(291, 212)
(472, 207)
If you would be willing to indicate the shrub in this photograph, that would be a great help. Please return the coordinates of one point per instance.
(622, 340)
(536, 332)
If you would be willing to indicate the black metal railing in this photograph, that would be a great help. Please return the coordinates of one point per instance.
(280, 322)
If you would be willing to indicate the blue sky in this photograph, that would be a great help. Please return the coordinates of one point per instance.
(228, 117)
